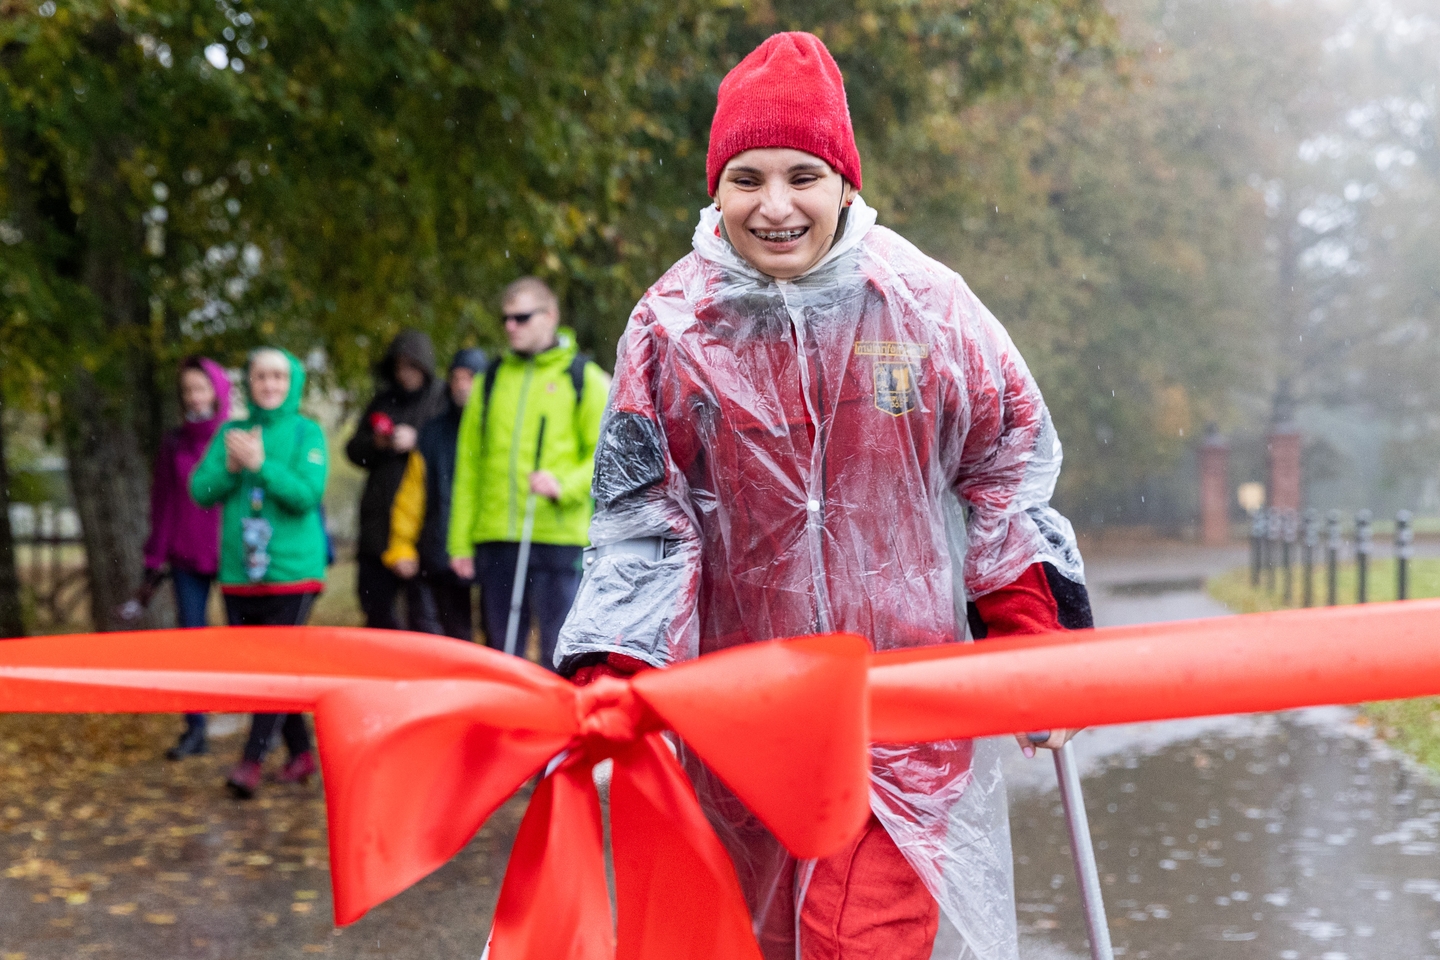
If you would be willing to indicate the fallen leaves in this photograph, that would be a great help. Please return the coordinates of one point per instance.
(108, 849)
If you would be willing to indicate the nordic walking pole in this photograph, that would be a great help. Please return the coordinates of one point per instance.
(522, 562)
(1091, 898)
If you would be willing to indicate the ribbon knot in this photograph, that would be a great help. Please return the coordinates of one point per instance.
(611, 716)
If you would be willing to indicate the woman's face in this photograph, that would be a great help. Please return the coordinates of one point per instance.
(408, 376)
(780, 208)
(197, 393)
(269, 384)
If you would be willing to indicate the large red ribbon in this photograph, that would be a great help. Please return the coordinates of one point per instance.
(421, 739)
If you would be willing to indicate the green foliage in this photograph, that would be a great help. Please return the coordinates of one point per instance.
(1107, 226)
(355, 168)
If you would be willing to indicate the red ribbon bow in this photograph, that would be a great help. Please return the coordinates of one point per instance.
(422, 739)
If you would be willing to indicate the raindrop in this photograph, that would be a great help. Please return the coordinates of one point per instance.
(218, 56)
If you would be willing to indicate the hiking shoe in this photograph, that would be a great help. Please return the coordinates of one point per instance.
(300, 769)
(191, 744)
(244, 779)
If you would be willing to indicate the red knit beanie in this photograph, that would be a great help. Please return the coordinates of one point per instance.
(787, 93)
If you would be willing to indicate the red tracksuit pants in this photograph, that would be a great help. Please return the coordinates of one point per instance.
(867, 903)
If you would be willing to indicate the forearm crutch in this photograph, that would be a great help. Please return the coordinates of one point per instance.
(1067, 771)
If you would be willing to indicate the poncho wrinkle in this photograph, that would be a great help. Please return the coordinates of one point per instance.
(855, 450)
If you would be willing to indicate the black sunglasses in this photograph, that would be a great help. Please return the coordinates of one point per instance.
(520, 318)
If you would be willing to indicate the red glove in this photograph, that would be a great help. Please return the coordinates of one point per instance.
(382, 424)
(616, 665)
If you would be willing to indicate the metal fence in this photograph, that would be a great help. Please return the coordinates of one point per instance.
(50, 560)
(1284, 543)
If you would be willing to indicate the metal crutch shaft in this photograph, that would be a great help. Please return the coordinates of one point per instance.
(522, 561)
(1086, 872)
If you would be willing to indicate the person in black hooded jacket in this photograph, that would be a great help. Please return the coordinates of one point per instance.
(420, 518)
(409, 395)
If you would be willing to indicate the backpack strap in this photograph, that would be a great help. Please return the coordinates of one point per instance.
(577, 375)
(492, 370)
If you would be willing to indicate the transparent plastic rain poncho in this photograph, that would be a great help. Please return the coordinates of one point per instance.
(803, 448)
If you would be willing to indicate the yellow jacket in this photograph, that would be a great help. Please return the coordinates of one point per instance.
(407, 513)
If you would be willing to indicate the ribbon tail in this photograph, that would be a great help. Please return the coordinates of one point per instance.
(554, 901)
(679, 898)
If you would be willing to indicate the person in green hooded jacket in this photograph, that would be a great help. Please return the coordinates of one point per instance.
(541, 378)
(268, 474)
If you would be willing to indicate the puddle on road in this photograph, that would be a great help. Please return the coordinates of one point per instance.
(1302, 844)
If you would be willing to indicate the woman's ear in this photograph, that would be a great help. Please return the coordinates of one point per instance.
(850, 193)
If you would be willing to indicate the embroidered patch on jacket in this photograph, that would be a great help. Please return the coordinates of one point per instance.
(894, 388)
(891, 348)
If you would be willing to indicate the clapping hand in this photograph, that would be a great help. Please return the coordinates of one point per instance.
(244, 450)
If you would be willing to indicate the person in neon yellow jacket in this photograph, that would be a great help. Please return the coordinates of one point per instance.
(542, 375)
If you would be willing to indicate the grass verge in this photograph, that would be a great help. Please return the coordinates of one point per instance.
(1412, 726)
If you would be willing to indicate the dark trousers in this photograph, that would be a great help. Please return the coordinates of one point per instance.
(192, 593)
(379, 588)
(445, 608)
(550, 586)
(273, 610)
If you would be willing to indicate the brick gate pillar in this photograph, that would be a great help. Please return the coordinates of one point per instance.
(1214, 488)
(1283, 452)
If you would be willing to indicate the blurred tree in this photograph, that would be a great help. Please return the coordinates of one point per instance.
(1109, 228)
(203, 175)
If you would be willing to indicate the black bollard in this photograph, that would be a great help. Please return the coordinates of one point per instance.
(1287, 549)
(1332, 558)
(1404, 550)
(1257, 546)
(1310, 538)
(1363, 546)
(1272, 546)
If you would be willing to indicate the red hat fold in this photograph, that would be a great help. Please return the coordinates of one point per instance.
(787, 93)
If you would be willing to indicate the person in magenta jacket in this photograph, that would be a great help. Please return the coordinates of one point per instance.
(185, 537)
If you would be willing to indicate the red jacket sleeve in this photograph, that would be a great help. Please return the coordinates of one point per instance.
(1040, 600)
